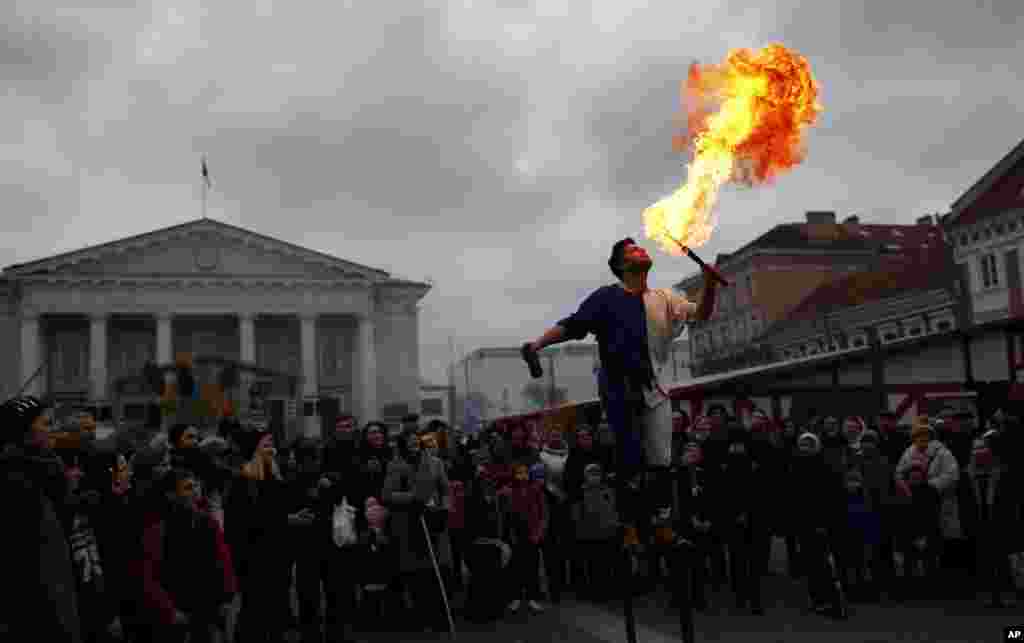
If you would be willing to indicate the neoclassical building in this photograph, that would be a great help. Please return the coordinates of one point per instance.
(311, 335)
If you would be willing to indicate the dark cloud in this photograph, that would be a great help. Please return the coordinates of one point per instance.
(497, 148)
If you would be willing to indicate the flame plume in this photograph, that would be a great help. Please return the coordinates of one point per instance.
(745, 122)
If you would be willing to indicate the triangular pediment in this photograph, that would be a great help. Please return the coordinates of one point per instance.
(196, 249)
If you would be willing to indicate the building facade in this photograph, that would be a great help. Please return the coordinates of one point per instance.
(773, 274)
(311, 335)
(986, 228)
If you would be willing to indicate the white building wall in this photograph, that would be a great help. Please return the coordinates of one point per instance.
(398, 376)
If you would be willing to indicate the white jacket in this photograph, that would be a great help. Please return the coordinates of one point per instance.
(943, 471)
(943, 474)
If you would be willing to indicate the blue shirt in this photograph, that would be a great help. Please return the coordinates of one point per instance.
(618, 320)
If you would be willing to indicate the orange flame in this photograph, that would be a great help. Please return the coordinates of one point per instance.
(745, 121)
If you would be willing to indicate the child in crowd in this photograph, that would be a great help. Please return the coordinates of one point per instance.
(525, 521)
(921, 532)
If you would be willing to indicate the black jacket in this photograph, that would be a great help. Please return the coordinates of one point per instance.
(40, 604)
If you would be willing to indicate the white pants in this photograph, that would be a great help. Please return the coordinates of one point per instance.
(657, 428)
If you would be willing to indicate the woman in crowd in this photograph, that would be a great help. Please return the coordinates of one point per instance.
(417, 493)
(256, 517)
(185, 568)
(993, 519)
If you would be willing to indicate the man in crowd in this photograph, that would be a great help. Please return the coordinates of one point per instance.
(43, 606)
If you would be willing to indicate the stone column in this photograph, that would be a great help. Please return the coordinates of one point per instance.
(366, 376)
(247, 355)
(164, 348)
(310, 384)
(98, 357)
(31, 356)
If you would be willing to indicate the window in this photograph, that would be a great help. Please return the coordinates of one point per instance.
(989, 272)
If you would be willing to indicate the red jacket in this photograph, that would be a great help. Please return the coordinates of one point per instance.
(527, 508)
(188, 580)
(457, 513)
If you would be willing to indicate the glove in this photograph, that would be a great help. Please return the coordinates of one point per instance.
(532, 361)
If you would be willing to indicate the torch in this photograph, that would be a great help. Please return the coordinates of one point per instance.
(700, 262)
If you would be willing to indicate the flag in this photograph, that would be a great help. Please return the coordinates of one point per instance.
(206, 175)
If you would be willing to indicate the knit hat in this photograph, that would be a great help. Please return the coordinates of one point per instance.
(593, 467)
(810, 437)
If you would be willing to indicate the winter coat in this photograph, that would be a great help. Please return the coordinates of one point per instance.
(770, 471)
(185, 566)
(1000, 531)
(457, 515)
(920, 518)
(406, 490)
(554, 461)
(697, 489)
(738, 495)
(818, 492)
(879, 487)
(594, 515)
(40, 602)
(373, 469)
(862, 521)
(572, 476)
(943, 474)
(256, 523)
(118, 526)
(833, 451)
(524, 510)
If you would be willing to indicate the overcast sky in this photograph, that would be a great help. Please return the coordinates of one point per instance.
(497, 148)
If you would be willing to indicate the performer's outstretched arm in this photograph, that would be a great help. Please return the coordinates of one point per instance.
(554, 335)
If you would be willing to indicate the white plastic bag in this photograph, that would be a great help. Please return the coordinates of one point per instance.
(344, 524)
